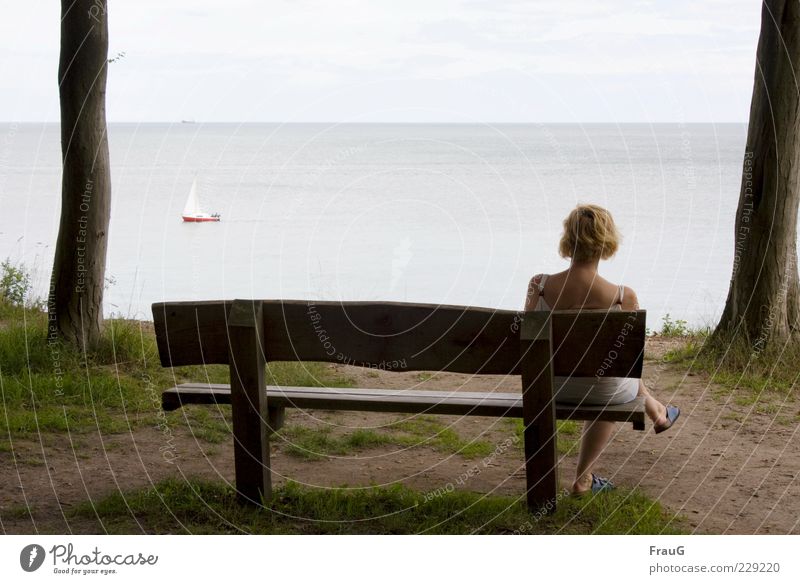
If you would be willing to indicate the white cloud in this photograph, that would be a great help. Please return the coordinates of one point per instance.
(246, 52)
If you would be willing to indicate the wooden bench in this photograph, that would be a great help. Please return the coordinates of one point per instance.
(246, 334)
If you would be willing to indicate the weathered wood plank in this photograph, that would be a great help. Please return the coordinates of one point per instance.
(538, 412)
(249, 404)
(192, 333)
(276, 416)
(589, 343)
(461, 403)
(393, 336)
(405, 337)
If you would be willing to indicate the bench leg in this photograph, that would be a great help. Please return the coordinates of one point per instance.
(275, 418)
(539, 413)
(249, 404)
(541, 468)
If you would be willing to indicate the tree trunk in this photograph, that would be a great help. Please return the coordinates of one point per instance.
(76, 290)
(762, 303)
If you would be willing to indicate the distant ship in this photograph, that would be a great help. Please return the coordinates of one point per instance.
(192, 212)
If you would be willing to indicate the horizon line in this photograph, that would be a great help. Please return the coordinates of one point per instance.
(354, 123)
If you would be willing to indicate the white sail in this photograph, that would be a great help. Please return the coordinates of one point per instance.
(193, 212)
(192, 206)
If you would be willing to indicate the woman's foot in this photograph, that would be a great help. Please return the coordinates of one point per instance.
(655, 410)
(582, 485)
(662, 416)
(671, 414)
(591, 484)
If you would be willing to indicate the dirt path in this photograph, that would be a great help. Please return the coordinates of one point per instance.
(724, 466)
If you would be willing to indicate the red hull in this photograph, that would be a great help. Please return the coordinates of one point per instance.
(199, 219)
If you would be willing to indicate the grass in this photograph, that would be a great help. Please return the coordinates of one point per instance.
(201, 507)
(212, 425)
(51, 387)
(749, 376)
(18, 512)
(568, 435)
(48, 389)
(319, 442)
(316, 443)
(687, 351)
(429, 431)
(761, 380)
(304, 374)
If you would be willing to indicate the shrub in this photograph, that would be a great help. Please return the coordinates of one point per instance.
(15, 283)
(674, 328)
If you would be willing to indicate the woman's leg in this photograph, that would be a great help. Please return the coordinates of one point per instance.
(596, 434)
(655, 410)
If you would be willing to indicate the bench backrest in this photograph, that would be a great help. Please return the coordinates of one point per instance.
(405, 337)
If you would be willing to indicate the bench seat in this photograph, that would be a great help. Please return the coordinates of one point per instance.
(413, 401)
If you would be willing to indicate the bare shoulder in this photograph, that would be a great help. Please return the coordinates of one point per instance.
(532, 283)
(535, 282)
(629, 299)
(533, 291)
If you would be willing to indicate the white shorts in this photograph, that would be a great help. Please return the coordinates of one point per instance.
(595, 391)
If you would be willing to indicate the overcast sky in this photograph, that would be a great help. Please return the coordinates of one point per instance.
(399, 61)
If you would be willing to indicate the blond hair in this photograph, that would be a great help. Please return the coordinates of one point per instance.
(589, 234)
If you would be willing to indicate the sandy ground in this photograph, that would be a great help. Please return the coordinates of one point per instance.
(724, 466)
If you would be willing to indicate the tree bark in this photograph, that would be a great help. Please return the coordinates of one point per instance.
(75, 304)
(762, 303)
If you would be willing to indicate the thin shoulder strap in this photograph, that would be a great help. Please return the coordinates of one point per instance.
(540, 284)
(621, 293)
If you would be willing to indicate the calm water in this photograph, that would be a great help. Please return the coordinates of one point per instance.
(454, 214)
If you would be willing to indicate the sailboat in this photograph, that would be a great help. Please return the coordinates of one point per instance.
(192, 212)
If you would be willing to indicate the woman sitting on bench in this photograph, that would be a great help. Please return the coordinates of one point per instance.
(589, 236)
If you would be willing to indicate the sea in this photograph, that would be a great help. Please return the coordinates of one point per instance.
(442, 214)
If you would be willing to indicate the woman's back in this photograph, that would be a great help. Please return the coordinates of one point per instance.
(578, 289)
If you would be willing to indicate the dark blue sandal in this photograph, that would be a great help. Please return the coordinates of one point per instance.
(672, 414)
(601, 485)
